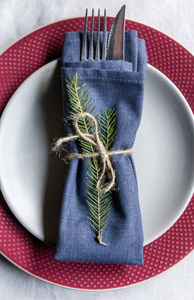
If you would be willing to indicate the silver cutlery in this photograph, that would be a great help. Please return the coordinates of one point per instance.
(115, 48)
(116, 40)
(98, 51)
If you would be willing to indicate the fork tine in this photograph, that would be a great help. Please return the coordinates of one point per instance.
(104, 38)
(97, 54)
(91, 38)
(84, 39)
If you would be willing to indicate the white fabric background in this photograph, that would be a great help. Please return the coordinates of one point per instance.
(174, 18)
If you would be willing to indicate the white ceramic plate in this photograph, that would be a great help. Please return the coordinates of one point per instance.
(32, 179)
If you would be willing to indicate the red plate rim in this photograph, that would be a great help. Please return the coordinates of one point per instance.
(33, 256)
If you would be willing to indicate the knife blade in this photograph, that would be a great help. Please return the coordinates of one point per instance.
(116, 40)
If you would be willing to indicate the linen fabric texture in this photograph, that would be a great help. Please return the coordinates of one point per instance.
(114, 84)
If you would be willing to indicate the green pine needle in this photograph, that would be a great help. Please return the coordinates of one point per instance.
(99, 203)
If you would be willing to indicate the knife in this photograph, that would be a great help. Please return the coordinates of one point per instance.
(116, 40)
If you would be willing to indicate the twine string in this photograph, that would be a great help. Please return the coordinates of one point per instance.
(102, 152)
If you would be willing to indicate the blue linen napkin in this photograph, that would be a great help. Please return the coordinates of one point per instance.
(119, 85)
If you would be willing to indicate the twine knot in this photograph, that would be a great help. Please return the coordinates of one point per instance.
(102, 152)
(104, 155)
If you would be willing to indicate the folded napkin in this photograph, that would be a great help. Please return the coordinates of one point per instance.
(119, 85)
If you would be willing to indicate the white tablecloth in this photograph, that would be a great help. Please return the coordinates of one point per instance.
(174, 18)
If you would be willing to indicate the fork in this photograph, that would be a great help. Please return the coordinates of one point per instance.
(98, 51)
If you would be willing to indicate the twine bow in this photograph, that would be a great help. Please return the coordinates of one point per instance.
(102, 152)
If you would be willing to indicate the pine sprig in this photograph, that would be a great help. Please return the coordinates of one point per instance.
(79, 103)
(107, 124)
(99, 203)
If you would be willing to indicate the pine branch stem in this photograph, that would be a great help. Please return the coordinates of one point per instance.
(107, 134)
(99, 237)
(99, 234)
(81, 110)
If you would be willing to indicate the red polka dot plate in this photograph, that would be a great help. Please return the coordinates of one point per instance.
(21, 247)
